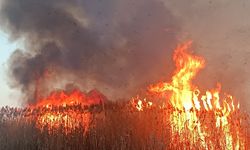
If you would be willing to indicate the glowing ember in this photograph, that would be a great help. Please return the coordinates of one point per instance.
(198, 121)
(66, 111)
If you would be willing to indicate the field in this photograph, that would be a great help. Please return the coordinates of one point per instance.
(111, 129)
(117, 127)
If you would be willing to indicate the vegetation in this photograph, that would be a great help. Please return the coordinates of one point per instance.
(118, 127)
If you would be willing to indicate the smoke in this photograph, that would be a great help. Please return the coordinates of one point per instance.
(115, 46)
(220, 30)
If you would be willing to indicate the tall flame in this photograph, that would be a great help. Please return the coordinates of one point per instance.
(196, 116)
(181, 86)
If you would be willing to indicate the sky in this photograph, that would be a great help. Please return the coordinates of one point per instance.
(7, 96)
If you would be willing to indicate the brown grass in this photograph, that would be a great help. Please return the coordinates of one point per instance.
(116, 128)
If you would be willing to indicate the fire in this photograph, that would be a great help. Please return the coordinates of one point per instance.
(141, 104)
(196, 119)
(181, 86)
(66, 111)
(68, 121)
(75, 97)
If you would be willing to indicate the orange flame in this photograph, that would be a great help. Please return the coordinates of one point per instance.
(189, 105)
(66, 111)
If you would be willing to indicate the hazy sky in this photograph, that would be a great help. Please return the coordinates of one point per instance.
(7, 96)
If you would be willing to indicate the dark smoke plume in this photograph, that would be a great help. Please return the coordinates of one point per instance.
(115, 46)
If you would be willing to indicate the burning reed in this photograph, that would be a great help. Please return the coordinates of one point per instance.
(119, 126)
(115, 128)
(186, 118)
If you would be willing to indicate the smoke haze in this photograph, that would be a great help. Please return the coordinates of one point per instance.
(114, 46)
(221, 34)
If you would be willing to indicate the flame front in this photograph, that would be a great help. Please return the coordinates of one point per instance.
(65, 111)
(198, 121)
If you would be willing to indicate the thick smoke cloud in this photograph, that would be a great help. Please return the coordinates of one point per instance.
(115, 46)
(221, 33)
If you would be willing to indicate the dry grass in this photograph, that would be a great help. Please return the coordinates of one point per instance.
(116, 128)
